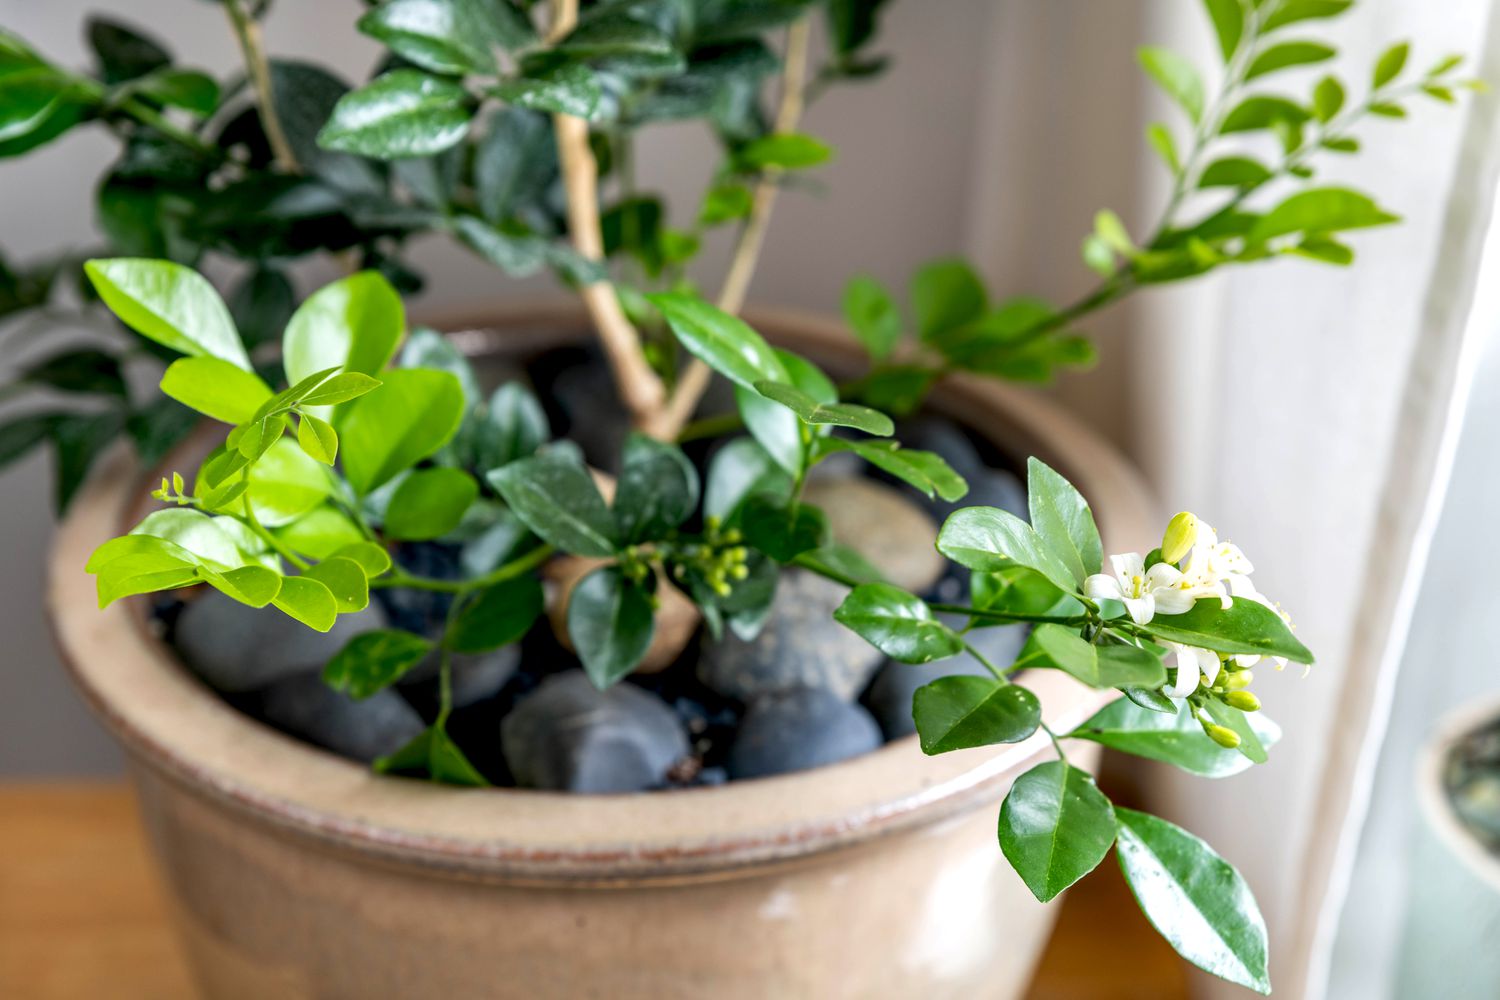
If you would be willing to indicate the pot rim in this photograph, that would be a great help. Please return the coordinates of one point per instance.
(1432, 793)
(173, 724)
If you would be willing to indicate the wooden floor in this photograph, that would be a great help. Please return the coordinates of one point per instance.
(82, 915)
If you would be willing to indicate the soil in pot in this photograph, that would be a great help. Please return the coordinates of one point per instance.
(802, 692)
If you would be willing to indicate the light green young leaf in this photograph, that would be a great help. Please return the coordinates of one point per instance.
(195, 533)
(1228, 17)
(318, 439)
(897, 623)
(1161, 140)
(429, 503)
(345, 580)
(371, 558)
(373, 661)
(1235, 172)
(170, 304)
(1328, 98)
(958, 712)
(1264, 111)
(255, 586)
(352, 324)
(1055, 827)
(216, 388)
(1292, 11)
(1390, 64)
(783, 151)
(1194, 898)
(400, 114)
(286, 483)
(322, 532)
(1177, 77)
(1319, 210)
(1287, 55)
(412, 415)
(308, 601)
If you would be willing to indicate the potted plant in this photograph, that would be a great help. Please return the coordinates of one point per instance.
(734, 590)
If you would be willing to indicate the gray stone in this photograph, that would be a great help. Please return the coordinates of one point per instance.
(800, 646)
(988, 486)
(569, 736)
(476, 676)
(364, 730)
(877, 521)
(799, 729)
(235, 648)
(890, 694)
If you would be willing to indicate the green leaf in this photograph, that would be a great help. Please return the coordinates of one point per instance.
(179, 88)
(255, 586)
(1390, 64)
(958, 712)
(400, 114)
(346, 580)
(1062, 519)
(433, 752)
(340, 389)
(873, 316)
(261, 305)
(445, 36)
(326, 531)
(308, 601)
(657, 490)
(85, 370)
(1319, 210)
(725, 343)
(216, 388)
(1263, 112)
(1328, 99)
(610, 624)
(568, 89)
(123, 52)
(783, 151)
(1176, 76)
(1228, 17)
(740, 469)
(1244, 627)
(1194, 898)
(810, 411)
(1176, 738)
(725, 202)
(200, 538)
(373, 661)
(429, 503)
(1055, 827)
(412, 415)
(170, 304)
(373, 559)
(514, 426)
(946, 295)
(30, 96)
(1235, 172)
(1289, 54)
(20, 435)
(1160, 138)
(897, 623)
(1251, 747)
(555, 496)
(513, 162)
(780, 531)
(497, 616)
(1292, 11)
(352, 324)
(286, 483)
(778, 429)
(1019, 591)
(925, 470)
(989, 540)
(318, 439)
(1097, 666)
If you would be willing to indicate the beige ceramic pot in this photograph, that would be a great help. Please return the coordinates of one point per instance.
(297, 874)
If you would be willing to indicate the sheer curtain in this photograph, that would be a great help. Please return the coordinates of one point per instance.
(1309, 413)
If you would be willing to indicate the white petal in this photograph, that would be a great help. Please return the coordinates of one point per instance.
(1127, 565)
(1142, 609)
(1162, 576)
(1173, 602)
(1187, 671)
(1208, 662)
(1103, 586)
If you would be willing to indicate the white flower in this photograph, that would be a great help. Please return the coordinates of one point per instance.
(1190, 662)
(1144, 592)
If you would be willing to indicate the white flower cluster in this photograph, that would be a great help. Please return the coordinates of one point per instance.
(1195, 565)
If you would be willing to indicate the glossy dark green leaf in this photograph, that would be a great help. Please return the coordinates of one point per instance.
(1020, 591)
(740, 469)
(170, 304)
(1096, 666)
(897, 623)
(497, 616)
(447, 36)
(555, 496)
(946, 295)
(261, 305)
(780, 531)
(1194, 898)
(84, 370)
(657, 490)
(514, 162)
(873, 315)
(1176, 738)
(925, 470)
(373, 661)
(1320, 210)
(1055, 827)
(725, 343)
(124, 52)
(778, 428)
(77, 440)
(1245, 627)
(989, 540)
(610, 624)
(568, 89)
(429, 503)
(1176, 77)
(20, 434)
(1287, 55)
(403, 113)
(187, 89)
(860, 418)
(958, 712)
(413, 413)
(1062, 520)
(517, 255)
(514, 426)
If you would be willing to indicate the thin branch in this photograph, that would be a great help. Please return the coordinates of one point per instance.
(695, 379)
(640, 389)
(247, 33)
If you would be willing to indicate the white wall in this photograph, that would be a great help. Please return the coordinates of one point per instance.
(897, 195)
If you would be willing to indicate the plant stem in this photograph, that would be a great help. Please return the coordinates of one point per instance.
(1056, 744)
(509, 571)
(641, 391)
(247, 33)
(986, 664)
(266, 536)
(695, 379)
(1005, 616)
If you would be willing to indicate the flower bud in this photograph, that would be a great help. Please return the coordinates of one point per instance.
(1238, 680)
(1226, 738)
(1182, 532)
(1242, 700)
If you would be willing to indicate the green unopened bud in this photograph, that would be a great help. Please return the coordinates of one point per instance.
(1239, 680)
(734, 536)
(1226, 738)
(740, 572)
(1242, 700)
(712, 523)
(1181, 532)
